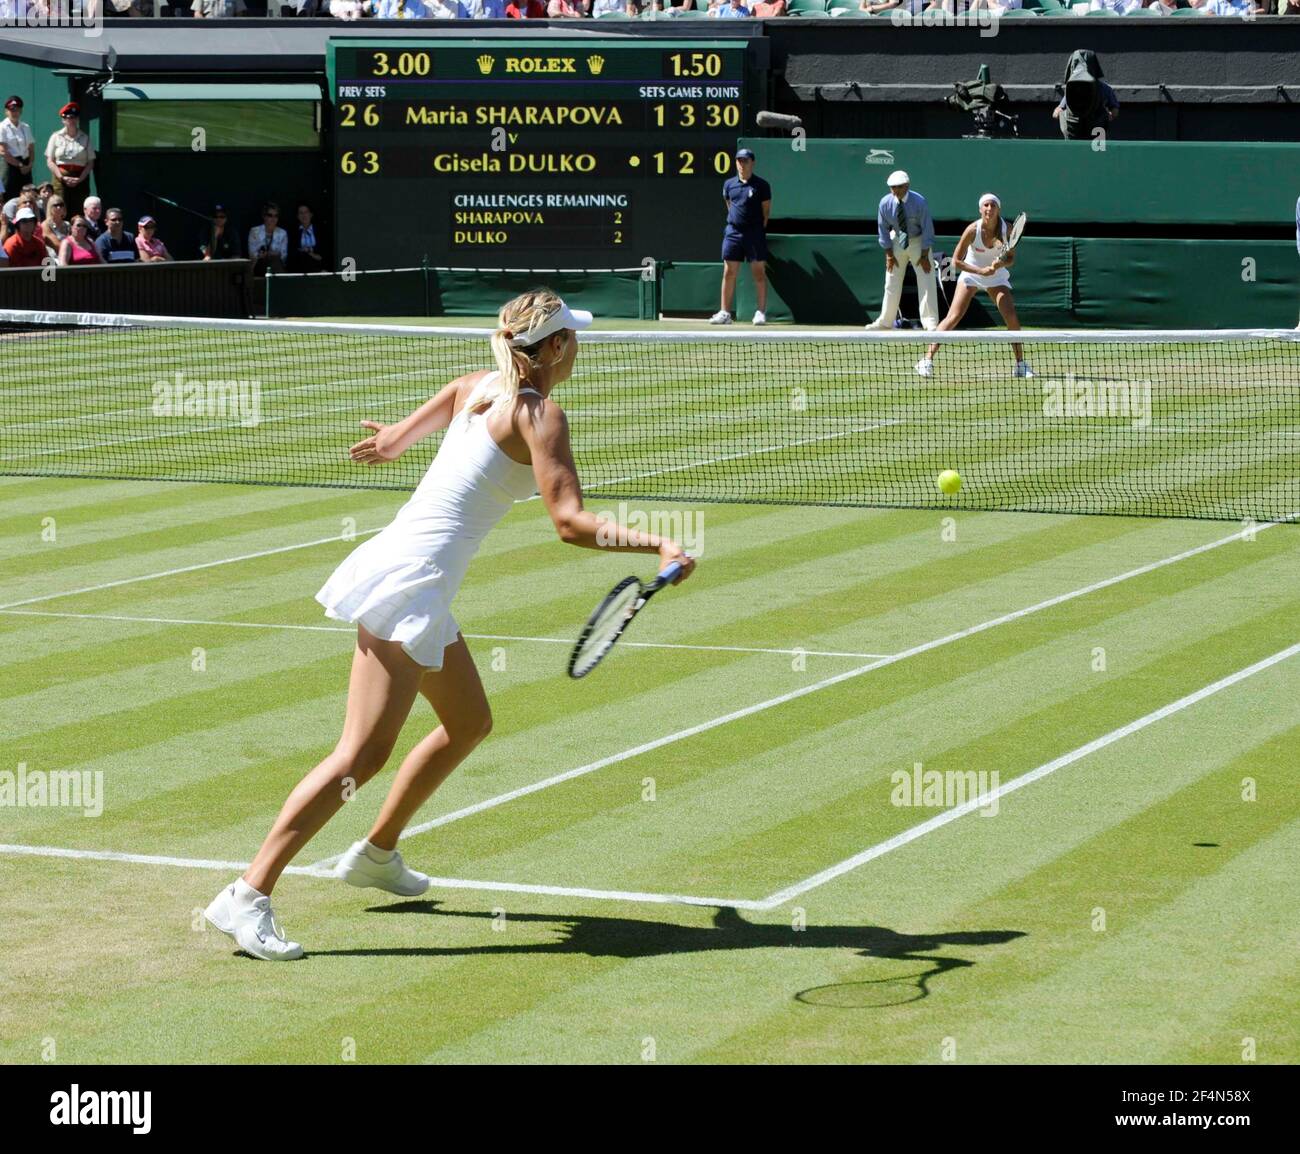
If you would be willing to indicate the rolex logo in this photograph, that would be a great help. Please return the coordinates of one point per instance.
(485, 63)
(595, 64)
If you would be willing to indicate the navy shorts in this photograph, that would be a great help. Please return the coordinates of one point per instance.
(740, 244)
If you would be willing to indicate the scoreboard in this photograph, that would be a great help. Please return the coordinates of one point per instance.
(533, 153)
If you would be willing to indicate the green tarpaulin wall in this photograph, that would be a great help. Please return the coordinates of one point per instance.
(1059, 282)
(1057, 181)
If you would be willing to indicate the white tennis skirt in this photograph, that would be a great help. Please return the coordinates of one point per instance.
(1001, 277)
(404, 599)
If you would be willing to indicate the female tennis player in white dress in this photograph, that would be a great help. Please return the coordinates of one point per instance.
(976, 257)
(506, 439)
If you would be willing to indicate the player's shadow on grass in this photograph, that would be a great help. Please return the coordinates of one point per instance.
(608, 937)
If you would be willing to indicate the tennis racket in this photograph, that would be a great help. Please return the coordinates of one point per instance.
(612, 616)
(1013, 236)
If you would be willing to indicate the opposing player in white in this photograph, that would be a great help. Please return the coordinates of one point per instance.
(506, 439)
(976, 257)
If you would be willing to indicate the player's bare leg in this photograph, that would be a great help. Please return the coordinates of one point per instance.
(1007, 307)
(961, 299)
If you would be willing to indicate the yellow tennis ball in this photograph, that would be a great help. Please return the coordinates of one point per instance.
(949, 481)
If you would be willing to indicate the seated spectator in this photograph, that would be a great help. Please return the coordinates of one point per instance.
(609, 8)
(268, 244)
(419, 10)
(485, 9)
(26, 197)
(43, 193)
(525, 10)
(1226, 7)
(147, 243)
(54, 228)
(115, 243)
(875, 7)
(24, 248)
(305, 238)
(220, 242)
(79, 248)
(732, 10)
(217, 9)
(769, 9)
(93, 214)
(347, 9)
(565, 9)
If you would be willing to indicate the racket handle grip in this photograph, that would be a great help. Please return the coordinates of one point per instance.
(669, 573)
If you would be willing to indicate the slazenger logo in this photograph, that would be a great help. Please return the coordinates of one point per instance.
(78, 1107)
(880, 156)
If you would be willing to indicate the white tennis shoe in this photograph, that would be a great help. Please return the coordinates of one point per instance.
(1022, 369)
(878, 324)
(252, 925)
(357, 868)
(760, 317)
(720, 318)
(925, 367)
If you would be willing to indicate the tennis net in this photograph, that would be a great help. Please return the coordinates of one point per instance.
(1171, 424)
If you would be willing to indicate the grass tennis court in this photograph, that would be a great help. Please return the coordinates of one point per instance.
(1128, 905)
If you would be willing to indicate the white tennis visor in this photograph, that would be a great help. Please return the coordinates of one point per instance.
(563, 318)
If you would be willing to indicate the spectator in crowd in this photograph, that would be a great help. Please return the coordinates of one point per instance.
(729, 10)
(305, 238)
(268, 244)
(905, 231)
(24, 248)
(1089, 102)
(26, 197)
(567, 9)
(485, 9)
(147, 244)
(525, 10)
(116, 243)
(220, 242)
(18, 147)
(71, 158)
(769, 9)
(79, 248)
(609, 8)
(93, 214)
(54, 229)
(419, 10)
(44, 191)
(217, 9)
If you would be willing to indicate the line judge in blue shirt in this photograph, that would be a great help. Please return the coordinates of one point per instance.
(906, 234)
(749, 204)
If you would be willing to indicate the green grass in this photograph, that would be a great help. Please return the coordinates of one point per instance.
(983, 931)
(1208, 430)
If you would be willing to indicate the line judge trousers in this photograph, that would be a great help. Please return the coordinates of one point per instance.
(927, 286)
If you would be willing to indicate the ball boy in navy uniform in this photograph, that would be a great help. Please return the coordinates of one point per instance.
(749, 203)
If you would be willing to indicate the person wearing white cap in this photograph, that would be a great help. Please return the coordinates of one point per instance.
(906, 233)
(981, 268)
(506, 439)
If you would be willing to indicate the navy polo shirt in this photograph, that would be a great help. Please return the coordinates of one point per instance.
(746, 198)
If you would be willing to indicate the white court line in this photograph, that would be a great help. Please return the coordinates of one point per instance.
(185, 569)
(950, 815)
(144, 859)
(781, 897)
(468, 636)
(880, 663)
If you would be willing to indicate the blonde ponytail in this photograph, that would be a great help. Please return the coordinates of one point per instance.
(515, 364)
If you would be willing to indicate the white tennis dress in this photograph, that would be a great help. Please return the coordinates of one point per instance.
(980, 256)
(401, 582)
